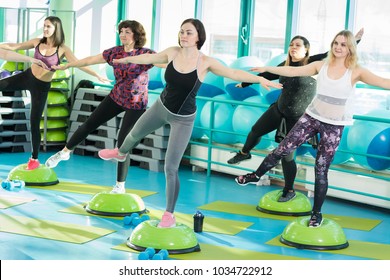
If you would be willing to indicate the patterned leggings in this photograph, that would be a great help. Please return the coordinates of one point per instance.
(305, 128)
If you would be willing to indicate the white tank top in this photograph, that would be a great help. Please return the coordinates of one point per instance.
(333, 100)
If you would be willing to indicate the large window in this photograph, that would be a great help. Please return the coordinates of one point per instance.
(221, 21)
(142, 11)
(374, 50)
(95, 29)
(319, 21)
(173, 13)
(269, 29)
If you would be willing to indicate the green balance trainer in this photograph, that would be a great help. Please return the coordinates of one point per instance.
(115, 204)
(298, 206)
(55, 98)
(42, 176)
(177, 240)
(328, 236)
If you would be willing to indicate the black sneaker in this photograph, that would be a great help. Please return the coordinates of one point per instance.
(287, 197)
(250, 178)
(239, 157)
(315, 220)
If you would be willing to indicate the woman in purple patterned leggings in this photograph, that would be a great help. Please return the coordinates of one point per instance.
(327, 114)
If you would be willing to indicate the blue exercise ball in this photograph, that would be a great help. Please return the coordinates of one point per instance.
(212, 85)
(223, 114)
(276, 60)
(162, 75)
(153, 95)
(272, 95)
(245, 116)
(368, 137)
(110, 73)
(244, 63)
(303, 150)
(155, 78)
(198, 133)
(340, 157)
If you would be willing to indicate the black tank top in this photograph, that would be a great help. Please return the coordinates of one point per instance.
(180, 91)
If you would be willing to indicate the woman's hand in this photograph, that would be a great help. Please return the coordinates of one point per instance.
(40, 63)
(359, 34)
(120, 60)
(258, 69)
(60, 67)
(103, 79)
(267, 84)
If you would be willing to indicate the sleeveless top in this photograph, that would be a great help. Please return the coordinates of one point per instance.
(333, 103)
(49, 60)
(180, 90)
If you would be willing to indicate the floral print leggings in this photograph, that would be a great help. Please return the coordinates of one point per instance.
(304, 129)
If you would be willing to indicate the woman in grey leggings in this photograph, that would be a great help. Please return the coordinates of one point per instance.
(186, 69)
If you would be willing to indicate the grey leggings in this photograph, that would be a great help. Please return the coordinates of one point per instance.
(179, 136)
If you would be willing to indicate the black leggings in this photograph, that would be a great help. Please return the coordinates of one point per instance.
(106, 110)
(270, 121)
(38, 90)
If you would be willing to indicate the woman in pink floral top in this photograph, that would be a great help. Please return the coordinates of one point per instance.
(129, 95)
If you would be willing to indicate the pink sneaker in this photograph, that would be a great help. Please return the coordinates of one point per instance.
(111, 154)
(32, 164)
(168, 220)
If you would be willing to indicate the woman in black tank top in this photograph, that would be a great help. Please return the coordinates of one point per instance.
(187, 68)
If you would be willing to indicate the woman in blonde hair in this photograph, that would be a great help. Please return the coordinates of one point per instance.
(327, 114)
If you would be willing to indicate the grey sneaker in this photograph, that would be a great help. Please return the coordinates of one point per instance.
(118, 189)
(287, 197)
(239, 157)
(56, 158)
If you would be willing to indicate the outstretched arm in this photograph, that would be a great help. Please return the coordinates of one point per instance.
(158, 59)
(291, 71)
(13, 56)
(239, 75)
(370, 78)
(86, 61)
(90, 60)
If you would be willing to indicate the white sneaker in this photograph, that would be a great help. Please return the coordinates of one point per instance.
(118, 189)
(56, 158)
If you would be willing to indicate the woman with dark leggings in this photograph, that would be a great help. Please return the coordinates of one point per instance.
(327, 114)
(296, 95)
(129, 95)
(37, 80)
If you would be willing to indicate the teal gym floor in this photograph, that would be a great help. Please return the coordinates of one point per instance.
(257, 237)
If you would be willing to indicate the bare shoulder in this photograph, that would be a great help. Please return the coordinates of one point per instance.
(171, 52)
(209, 61)
(64, 48)
(317, 65)
(35, 41)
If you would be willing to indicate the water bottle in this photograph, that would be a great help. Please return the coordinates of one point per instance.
(198, 221)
